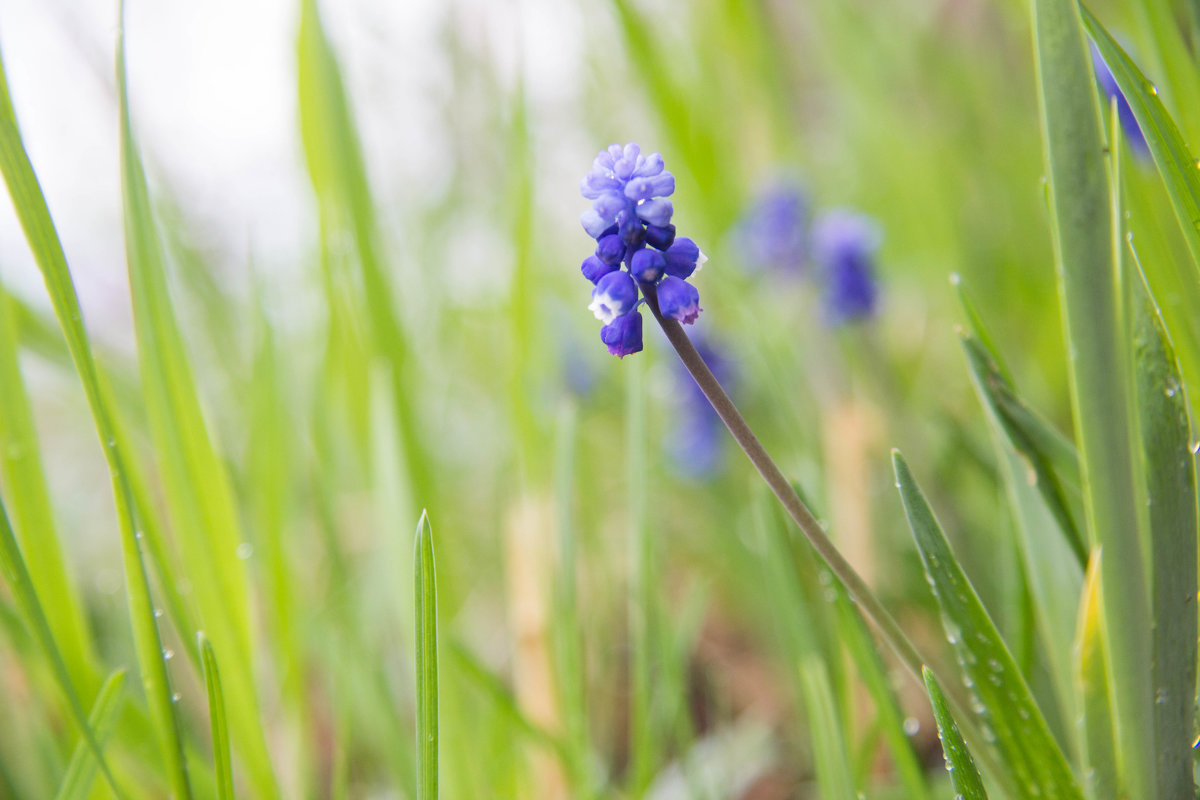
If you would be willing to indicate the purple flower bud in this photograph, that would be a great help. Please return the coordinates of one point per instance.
(610, 249)
(683, 258)
(661, 238)
(623, 335)
(647, 265)
(656, 212)
(678, 299)
(1129, 124)
(661, 185)
(615, 294)
(844, 244)
(594, 268)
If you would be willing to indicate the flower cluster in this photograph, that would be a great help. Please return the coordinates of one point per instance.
(636, 246)
(837, 251)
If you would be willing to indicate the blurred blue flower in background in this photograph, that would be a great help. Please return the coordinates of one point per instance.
(1133, 132)
(695, 444)
(772, 233)
(844, 244)
(630, 219)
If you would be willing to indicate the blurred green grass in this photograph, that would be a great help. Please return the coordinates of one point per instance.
(616, 618)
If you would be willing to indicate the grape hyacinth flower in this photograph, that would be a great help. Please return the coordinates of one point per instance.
(637, 250)
(771, 234)
(1108, 84)
(844, 244)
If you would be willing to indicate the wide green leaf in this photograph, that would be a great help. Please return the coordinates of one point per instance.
(1008, 718)
(963, 773)
(1171, 494)
(1094, 291)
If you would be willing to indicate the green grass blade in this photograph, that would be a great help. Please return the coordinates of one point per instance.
(216, 714)
(828, 740)
(1052, 459)
(425, 582)
(1009, 719)
(1091, 676)
(503, 699)
(1171, 492)
(81, 769)
(34, 216)
(852, 629)
(333, 153)
(16, 574)
(963, 774)
(1170, 152)
(1093, 293)
(24, 480)
(197, 493)
(1050, 557)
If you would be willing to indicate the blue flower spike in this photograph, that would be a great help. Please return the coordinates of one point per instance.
(844, 245)
(637, 250)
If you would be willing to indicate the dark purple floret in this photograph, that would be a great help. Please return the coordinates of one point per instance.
(660, 238)
(844, 245)
(683, 258)
(610, 249)
(623, 335)
(647, 265)
(615, 294)
(1129, 124)
(594, 268)
(678, 300)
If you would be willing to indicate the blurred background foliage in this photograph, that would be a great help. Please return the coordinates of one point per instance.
(372, 256)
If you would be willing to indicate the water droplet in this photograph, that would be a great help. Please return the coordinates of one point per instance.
(245, 550)
(168, 654)
(1153, 89)
(912, 726)
(175, 698)
(1196, 446)
(138, 535)
(1162, 696)
(825, 577)
(158, 612)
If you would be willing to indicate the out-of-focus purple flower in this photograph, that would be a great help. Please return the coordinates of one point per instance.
(844, 244)
(636, 246)
(1129, 124)
(772, 232)
(624, 334)
(696, 442)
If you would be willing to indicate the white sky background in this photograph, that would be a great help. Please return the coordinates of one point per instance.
(214, 100)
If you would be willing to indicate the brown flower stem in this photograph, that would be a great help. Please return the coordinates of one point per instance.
(727, 411)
